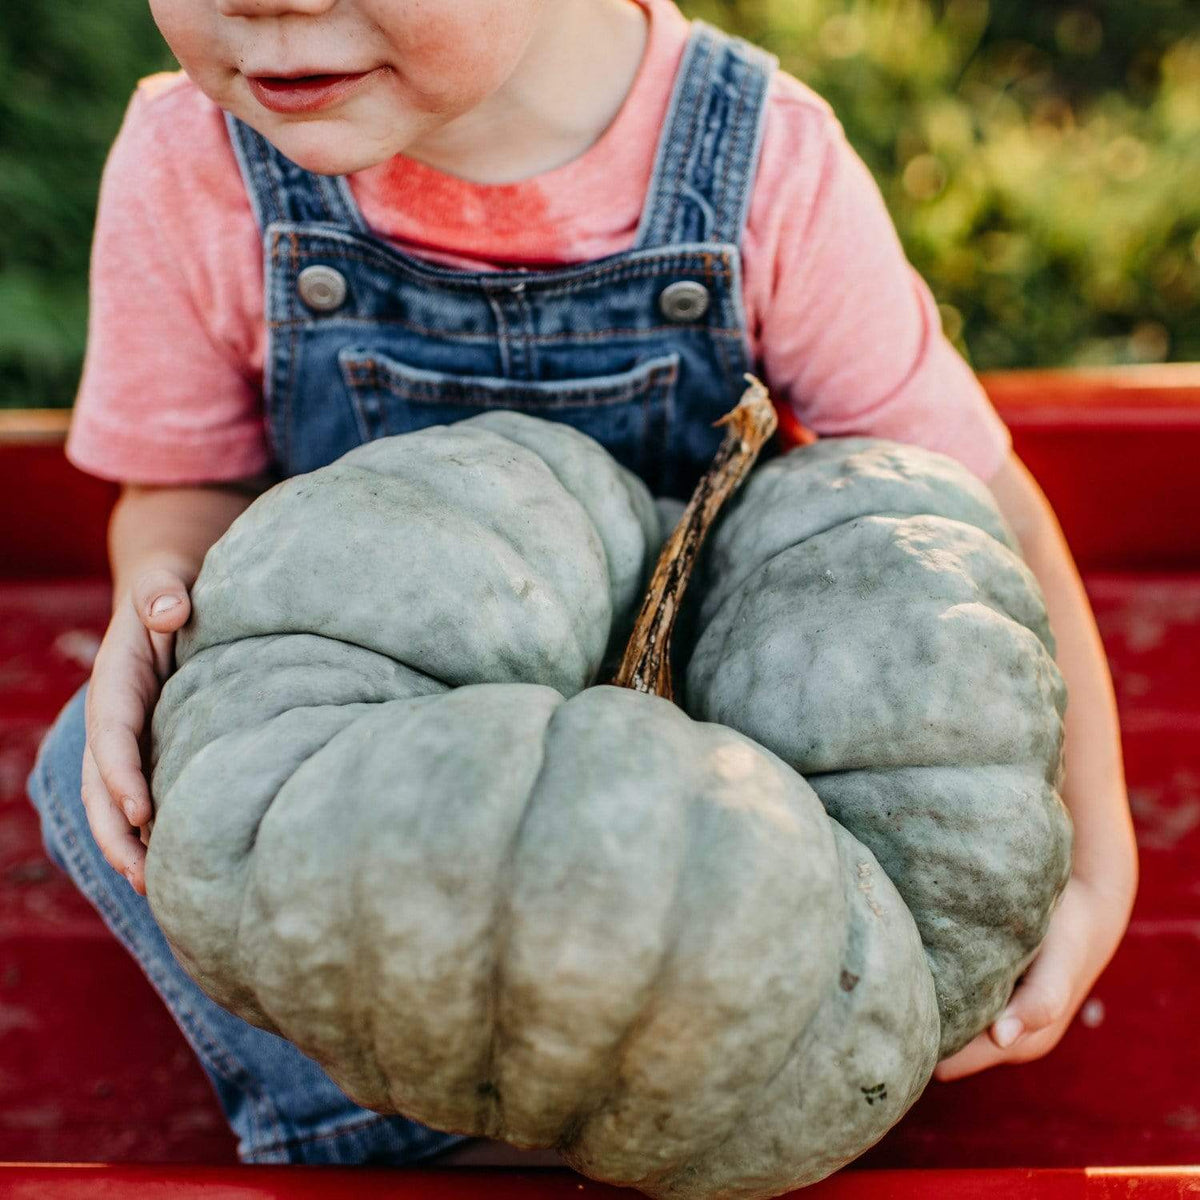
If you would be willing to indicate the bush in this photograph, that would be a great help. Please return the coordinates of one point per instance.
(1041, 161)
(66, 73)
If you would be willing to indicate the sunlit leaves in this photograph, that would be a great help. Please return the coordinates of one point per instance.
(1041, 161)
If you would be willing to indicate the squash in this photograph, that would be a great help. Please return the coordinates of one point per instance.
(400, 823)
(865, 615)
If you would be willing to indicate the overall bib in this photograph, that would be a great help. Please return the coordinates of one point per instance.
(642, 350)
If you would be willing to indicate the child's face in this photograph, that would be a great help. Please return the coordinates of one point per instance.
(429, 61)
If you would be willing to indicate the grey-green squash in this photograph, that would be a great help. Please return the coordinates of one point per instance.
(400, 821)
(866, 616)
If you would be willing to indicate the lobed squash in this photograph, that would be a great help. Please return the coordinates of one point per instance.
(702, 948)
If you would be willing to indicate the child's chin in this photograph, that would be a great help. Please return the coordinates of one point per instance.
(322, 145)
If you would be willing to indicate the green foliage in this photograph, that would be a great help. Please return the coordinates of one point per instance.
(66, 72)
(1041, 161)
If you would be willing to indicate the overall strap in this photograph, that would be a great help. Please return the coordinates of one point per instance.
(708, 153)
(279, 190)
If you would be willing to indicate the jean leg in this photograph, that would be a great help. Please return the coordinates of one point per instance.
(280, 1103)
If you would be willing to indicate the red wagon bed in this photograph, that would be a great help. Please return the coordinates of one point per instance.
(92, 1070)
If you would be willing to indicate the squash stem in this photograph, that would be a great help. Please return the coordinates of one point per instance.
(646, 664)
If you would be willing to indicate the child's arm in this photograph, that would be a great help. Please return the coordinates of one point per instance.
(157, 539)
(1088, 924)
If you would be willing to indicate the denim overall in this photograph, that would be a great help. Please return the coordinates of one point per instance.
(643, 350)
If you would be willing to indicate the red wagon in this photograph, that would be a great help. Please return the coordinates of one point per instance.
(99, 1095)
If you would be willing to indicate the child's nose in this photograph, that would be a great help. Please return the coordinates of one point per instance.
(272, 8)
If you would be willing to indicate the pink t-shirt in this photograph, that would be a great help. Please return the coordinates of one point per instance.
(842, 327)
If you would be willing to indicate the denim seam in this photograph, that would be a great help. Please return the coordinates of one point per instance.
(352, 247)
(717, 332)
(646, 235)
(528, 339)
(454, 393)
(270, 176)
(331, 198)
(293, 355)
(357, 221)
(354, 1126)
(236, 132)
(500, 337)
(756, 70)
(616, 273)
(731, 165)
(543, 284)
(664, 426)
(740, 353)
(280, 410)
(733, 360)
(271, 361)
(357, 409)
(419, 1133)
(699, 76)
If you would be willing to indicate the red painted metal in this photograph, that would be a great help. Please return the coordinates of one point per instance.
(91, 1064)
(91, 1067)
(56, 517)
(1116, 451)
(80, 1182)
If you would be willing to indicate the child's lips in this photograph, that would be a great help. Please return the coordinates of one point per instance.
(303, 94)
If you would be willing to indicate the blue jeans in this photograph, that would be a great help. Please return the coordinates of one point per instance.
(281, 1105)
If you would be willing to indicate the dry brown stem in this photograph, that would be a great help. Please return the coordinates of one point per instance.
(646, 665)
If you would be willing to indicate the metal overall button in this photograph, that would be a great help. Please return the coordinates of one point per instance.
(323, 289)
(683, 301)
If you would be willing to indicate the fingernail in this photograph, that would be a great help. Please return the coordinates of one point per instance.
(1007, 1030)
(163, 604)
(128, 809)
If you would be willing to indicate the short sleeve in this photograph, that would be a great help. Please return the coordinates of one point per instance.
(850, 333)
(161, 399)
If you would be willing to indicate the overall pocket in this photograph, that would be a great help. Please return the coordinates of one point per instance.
(629, 414)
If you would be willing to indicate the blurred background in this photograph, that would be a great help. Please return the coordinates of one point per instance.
(1041, 160)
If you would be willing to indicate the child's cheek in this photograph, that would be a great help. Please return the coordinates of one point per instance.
(450, 55)
(192, 32)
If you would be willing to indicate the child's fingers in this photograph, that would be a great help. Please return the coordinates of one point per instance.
(117, 839)
(161, 600)
(114, 748)
(977, 1054)
(1054, 985)
(1044, 999)
(983, 1052)
(112, 740)
(1080, 940)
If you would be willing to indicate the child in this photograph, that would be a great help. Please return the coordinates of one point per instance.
(582, 208)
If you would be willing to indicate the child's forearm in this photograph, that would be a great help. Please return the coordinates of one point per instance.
(172, 527)
(1105, 854)
(1094, 785)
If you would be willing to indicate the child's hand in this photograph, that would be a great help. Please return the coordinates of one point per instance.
(1083, 934)
(135, 657)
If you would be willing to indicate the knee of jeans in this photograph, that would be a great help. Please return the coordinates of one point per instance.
(36, 787)
(55, 781)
